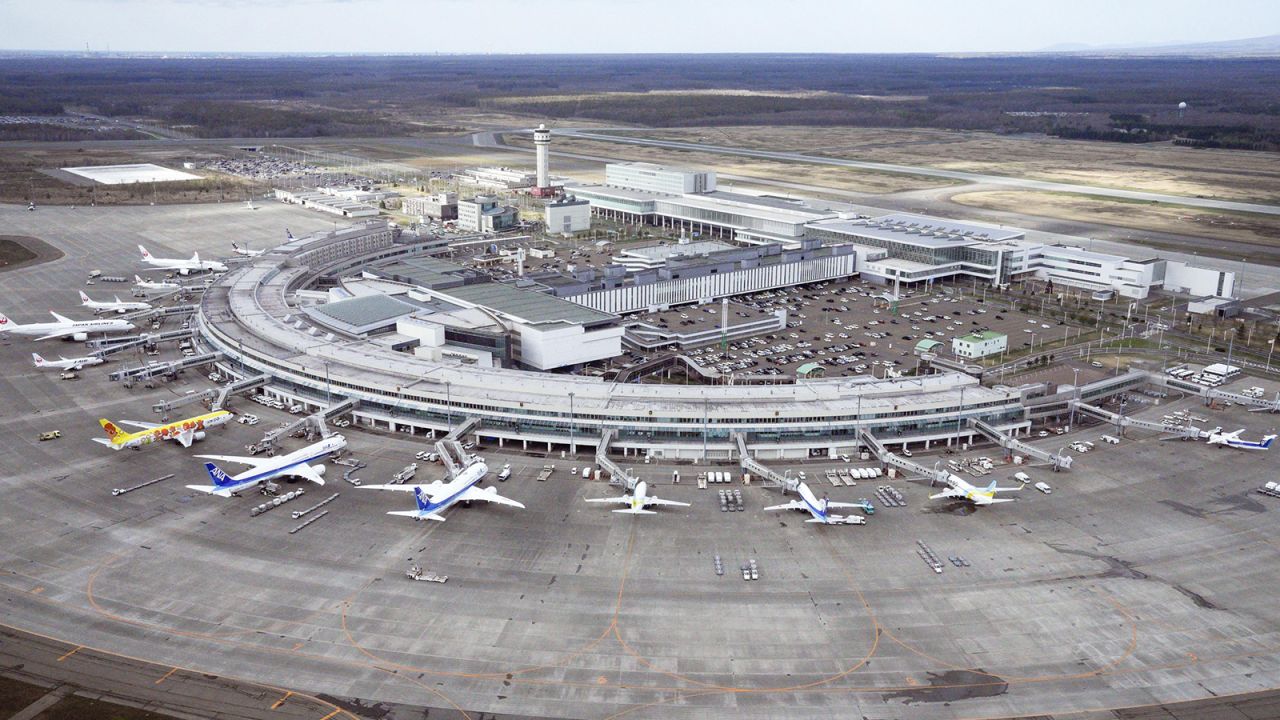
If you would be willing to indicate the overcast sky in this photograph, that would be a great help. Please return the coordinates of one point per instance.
(667, 26)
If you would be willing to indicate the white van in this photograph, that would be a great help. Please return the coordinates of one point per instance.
(586, 472)
(1022, 477)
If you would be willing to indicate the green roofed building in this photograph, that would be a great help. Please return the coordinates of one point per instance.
(979, 344)
(811, 370)
(927, 346)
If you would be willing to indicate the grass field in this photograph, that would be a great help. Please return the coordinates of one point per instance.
(1157, 167)
(837, 178)
(1241, 227)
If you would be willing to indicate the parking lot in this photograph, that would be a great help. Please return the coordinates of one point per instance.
(848, 329)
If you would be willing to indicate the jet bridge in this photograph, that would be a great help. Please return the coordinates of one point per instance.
(217, 397)
(617, 475)
(460, 431)
(906, 465)
(317, 419)
(146, 372)
(1012, 445)
(1257, 404)
(111, 346)
(239, 386)
(453, 455)
(162, 312)
(755, 467)
(1188, 432)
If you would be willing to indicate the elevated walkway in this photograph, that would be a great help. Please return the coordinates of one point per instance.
(460, 431)
(617, 475)
(452, 455)
(316, 419)
(760, 470)
(162, 312)
(184, 400)
(897, 461)
(147, 372)
(114, 345)
(1122, 421)
(239, 386)
(1012, 445)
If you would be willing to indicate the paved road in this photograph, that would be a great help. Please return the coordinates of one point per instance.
(934, 172)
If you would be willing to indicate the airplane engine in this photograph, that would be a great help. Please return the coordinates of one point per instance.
(319, 469)
(199, 435)
(80, 337)
(184, 272)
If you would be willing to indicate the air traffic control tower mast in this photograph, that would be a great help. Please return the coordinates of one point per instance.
(542, 143)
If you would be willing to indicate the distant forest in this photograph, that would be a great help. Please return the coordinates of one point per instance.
(1232, 103)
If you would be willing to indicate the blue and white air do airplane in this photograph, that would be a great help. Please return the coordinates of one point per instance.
(294, 464)
(434, 498)
(1232, 439)
(819, 509)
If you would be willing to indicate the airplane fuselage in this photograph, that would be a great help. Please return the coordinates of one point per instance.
(171, 431)
(281, 466)
(452, 491)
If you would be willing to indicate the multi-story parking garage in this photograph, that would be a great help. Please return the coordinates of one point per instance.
(251, 315)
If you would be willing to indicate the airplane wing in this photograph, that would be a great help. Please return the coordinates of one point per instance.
(833, 504)
(650, 500)
(636, 511)
(186, 437)
(305, 471)
(793, 505)
(415, 514)
(211, 490)
(255, 462)
(61, 318)
(619, 499)
(489, 494)
(139, 424)
(989, 501)
(429, 489)
(947, 494)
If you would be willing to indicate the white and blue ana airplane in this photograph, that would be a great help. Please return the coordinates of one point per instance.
(184, 267)
(638, 500)
(63, 363)
(1232, 439)
(159, 285)
(116, 306)
(434, 498)
(820, 509)
(294, 464)
(78, 330)
(961, 490)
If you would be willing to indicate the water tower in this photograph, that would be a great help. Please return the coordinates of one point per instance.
(1182, 108)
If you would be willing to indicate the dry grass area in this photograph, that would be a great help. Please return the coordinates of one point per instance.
(1246, 228)
(837, 178)
(1163, 168)
(21, 178)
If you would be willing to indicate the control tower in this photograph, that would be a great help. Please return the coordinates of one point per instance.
(542, 143)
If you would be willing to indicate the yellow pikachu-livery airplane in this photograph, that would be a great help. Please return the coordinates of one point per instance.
(183, 431)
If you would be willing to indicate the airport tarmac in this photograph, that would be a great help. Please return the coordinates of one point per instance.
(1145, 578)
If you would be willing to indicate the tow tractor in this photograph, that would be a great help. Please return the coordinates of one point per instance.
(416, 573)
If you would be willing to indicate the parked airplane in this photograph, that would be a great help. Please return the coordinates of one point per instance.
(158, 285)
(819, 509)
(1232, 439)
(638, 501)
(117, 305)
(436, 497)
(184, 267)
(78, 330)
(961, 490)
(183, 431)
(294, 464)
(245, 251)
(63, 363)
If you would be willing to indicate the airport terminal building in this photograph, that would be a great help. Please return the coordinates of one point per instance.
(251, 315)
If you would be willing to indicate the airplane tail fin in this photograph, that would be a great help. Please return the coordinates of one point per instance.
(37, 360)
(84, 298)
(114, 433)
(420, 499)
(288, 234)
(6, 323)
(992, 487)
(145, 255)
(220, 478)
(195, 256)
(1266, 441)
(137, 279)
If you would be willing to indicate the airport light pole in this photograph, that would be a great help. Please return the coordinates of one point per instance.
(704, 427)
(572, 440)
(1075, 382)
(448, 400)
(328, 394)
(959, 413)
